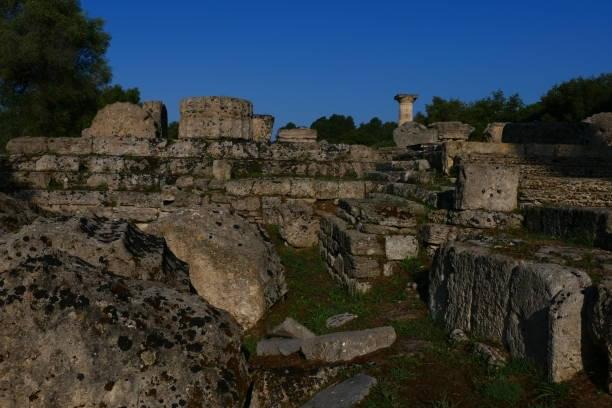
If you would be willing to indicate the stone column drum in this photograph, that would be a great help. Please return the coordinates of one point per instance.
(406, 102)
(261, 126)
(215, 117)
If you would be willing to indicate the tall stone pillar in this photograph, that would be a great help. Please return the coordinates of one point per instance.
(405, 101)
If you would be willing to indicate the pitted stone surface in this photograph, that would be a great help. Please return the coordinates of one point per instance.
(215, 117)
(262, 126)
(486, 187)
(114, 246)
(232, 264)
(89, 338)
(123, 119)
(346, 394)
(534, 309)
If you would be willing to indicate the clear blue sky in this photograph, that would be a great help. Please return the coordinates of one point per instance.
(302, 60)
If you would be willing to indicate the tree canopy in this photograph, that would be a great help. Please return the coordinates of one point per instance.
(342, 129)
(54, 74)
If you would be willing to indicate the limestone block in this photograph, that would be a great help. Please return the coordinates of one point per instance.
(57, 163)
(351, 189)
(532, 308)
(157, 110)
(250, 204)
(483, 219)
(292, 329)
(358, 243)
(300, 135)
(327, 189)
(215, 117)
(302, 188)
(231, 264)
(270, 187)
(241, 187)
(346, 394)
(221, 170)
(262, 126)
(101, 164)
(452, 130)
(299, 227)
(487, 187)
(602, 123)
(122, 119)
(398, 247)
(70, 145)
(494, 132)
(278, 347)
(600, 323)
(27, 145)
(346, 346)
(186, 148)
(437, 234)
(413, 133)
(125, 146)
(362, 267)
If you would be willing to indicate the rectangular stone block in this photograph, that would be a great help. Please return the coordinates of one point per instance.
(70, 145)
(358, 243)
(27, 145)
(487, 187)
(362, 267)
(398, 247)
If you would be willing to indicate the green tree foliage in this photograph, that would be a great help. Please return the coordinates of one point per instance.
(290, 125)
(342, 129)
(53, 72)
(575, 100)
(173, 130)
(495, 108)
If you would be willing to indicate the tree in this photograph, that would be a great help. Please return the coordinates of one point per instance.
(342, 129)
(53, 72)
(576, 99)
(290, 125)
(494, 108)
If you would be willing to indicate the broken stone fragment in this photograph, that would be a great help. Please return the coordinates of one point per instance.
(339, 320)
(346, 346)
(290, 328)
(278, 347)
(492, 356)
(346, 394)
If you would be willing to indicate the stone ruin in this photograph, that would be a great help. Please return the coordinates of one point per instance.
(436, 194)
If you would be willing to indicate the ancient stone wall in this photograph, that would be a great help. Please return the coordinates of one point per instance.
(140, 179)
(559, 175)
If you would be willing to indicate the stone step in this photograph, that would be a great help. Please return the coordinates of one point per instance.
(416, 164)
(442, 199)
(566, 192)
(383, 209)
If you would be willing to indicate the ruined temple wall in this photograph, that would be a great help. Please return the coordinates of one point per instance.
(559, 175)
(140, 179)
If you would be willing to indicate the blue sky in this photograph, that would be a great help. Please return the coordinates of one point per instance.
(302, 60)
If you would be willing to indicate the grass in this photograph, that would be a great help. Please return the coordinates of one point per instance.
(438, 375)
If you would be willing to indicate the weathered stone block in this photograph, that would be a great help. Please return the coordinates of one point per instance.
(452, 130)
(215, 117)
(398, 247)
(487, 187)
(221, 170)
(300, 135)
(326, 189)
(413, 133)
(262, 126)
(27, 145)
(157, 110)
(122, 119)
(532, 308)
(70, 145)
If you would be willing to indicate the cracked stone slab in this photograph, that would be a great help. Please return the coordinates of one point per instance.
(346, 394)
